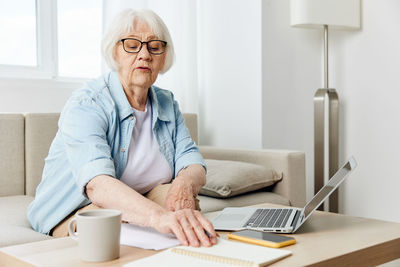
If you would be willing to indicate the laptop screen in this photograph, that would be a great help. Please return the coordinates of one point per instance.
(332, 184)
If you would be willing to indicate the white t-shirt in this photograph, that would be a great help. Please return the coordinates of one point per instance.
(146, 167)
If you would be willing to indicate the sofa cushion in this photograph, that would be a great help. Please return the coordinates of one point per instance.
(12, 167)
(230, 178)
(209, 204)
(15, 228)
(40, 130)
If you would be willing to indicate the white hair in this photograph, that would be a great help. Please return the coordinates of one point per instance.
(124, 23)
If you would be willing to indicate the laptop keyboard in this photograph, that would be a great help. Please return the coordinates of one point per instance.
(269, 218)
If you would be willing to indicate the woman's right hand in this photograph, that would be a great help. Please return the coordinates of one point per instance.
(188, 225)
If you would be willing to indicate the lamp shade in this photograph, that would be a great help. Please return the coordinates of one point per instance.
(339, 14)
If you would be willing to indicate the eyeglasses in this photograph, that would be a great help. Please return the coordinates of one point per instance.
(155, 47)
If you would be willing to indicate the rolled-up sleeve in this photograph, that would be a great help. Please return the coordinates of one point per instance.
(83, 129)
(186, 151)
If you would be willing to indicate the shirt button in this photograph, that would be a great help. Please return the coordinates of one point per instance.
(122, 149)
(131, 117)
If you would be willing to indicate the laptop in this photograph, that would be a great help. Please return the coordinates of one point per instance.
(280, 220)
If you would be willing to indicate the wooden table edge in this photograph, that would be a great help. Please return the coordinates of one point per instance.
(370, 256)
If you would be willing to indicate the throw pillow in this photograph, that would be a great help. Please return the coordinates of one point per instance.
(230, 178)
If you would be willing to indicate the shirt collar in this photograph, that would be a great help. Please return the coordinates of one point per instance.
(158, 110)
(118, 95)
(124, 107)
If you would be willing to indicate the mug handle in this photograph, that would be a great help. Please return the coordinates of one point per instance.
(72, 233)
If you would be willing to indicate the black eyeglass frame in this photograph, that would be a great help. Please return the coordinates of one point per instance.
(141, 45)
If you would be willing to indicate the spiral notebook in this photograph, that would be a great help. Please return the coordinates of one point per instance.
(225, 253)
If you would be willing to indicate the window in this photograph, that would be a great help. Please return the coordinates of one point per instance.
(50, 38)
(18, 32)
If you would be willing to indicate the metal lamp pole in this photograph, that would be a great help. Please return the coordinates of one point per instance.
(321, 97)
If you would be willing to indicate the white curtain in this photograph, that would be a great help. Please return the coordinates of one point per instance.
(181, 17)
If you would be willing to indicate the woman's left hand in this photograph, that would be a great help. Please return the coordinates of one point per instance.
(180, 196)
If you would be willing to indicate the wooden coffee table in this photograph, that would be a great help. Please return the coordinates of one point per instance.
(326, 239)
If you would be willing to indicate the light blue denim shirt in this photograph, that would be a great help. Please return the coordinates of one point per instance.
(95, 129)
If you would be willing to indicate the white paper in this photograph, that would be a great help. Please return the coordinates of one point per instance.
(257, 255)
(146, 237)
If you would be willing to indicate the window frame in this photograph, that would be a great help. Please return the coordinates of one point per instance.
(46, 46)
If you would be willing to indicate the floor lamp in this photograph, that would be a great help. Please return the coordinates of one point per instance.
(326, 14)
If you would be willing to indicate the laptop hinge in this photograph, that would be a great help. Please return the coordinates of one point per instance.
(296, 218)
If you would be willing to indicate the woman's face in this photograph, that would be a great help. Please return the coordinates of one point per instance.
(139, 69)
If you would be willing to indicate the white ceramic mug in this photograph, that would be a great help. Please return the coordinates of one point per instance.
(98, 234)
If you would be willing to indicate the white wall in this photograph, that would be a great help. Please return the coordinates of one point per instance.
(290, 76)
(27, 95)
(230, 73)
(365, 67)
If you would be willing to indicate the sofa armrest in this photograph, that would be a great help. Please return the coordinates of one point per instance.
(290, 163)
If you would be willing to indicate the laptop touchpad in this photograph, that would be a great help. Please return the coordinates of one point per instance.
(230, 221)
(231, 217)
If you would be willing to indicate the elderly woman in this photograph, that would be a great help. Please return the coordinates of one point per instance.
(122, 143)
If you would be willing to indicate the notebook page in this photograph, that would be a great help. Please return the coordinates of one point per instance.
(170, 259)
(259, 255)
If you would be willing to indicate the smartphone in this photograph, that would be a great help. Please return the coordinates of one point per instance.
(262, 238)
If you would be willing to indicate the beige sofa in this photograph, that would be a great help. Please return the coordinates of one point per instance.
(25, 140)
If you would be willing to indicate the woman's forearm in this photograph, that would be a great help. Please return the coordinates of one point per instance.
(195, 175)
(188, 225)
(110, 193)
